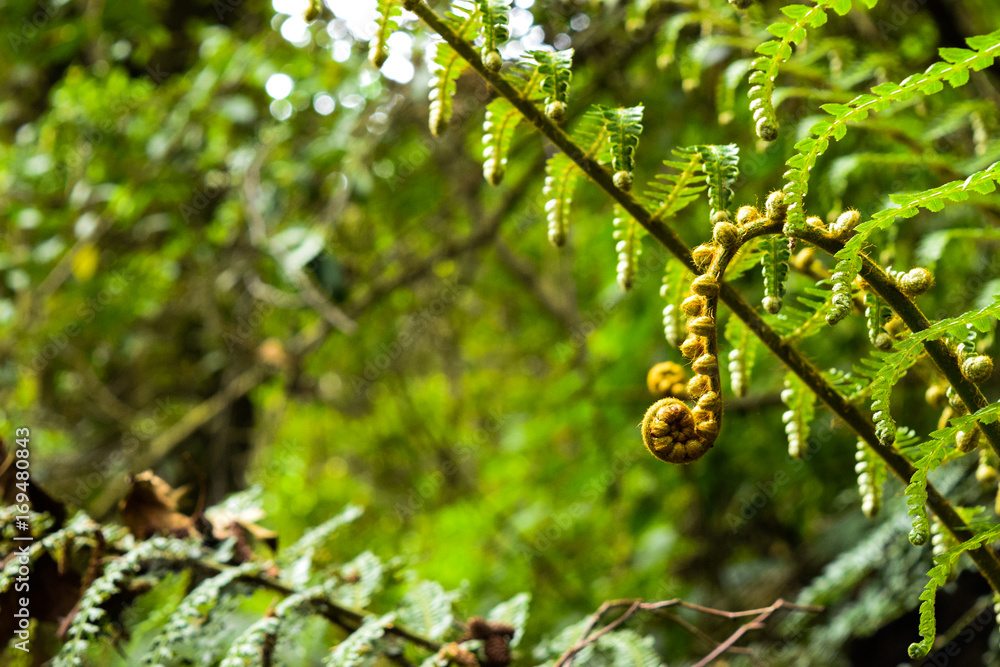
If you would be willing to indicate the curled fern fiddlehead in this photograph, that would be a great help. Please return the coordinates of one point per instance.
(978, 368)
(556, 70)
(493, 17)
(623, 125)
(876, 315)
(667, 379)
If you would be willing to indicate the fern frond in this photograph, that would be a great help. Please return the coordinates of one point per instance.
(365, 576)
(871, 472)
(556, 70)
(426, 608)
(877, 313)
(513, 612)
(774, 267)
(90, 611)
(493, 30)
(954, 68)
(623, 125)
(907, 206)
(720, 164)
(259, 639)
(357, 648)
(192, 612)
(669, 193)
(561, 176)
(764, 69)
(388, 12)
(448, 67)
(934, 453)
(498, 129)
(314, 537)
(627, 236)
(629, 649)
(742, 356)
(798, 418)
(676, 283)
(937, 577)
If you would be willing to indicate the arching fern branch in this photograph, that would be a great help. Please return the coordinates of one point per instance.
(907, 353)
(938, 576)
(907, 206)
(954, 68)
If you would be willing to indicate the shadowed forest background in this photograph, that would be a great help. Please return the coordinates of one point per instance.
(232, 253)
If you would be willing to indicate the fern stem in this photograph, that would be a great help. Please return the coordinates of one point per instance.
(943, 357)
(985, 560)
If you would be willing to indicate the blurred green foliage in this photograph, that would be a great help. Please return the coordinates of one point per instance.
(484, 410)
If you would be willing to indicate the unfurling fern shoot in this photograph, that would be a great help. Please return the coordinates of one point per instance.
(623, 125)
(871, 476)
(798, 418)
(498, 128)
(556, 70)
(627, 236)
(673, 290)
(493, 17)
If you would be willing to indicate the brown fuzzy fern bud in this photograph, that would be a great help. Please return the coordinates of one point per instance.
(623, 180)
(693, 305)
(708, 429)
(747, 215)
(706, 364)
(668, 431)
(693, 347)
(978, 368)
(915, 281)
(776, 206)
(726, 235)
(705, 285)
(699, 386)
(814, 221)
(701, 326)
(665, 379)
(703, 256)
(710, 401)
(556, 111)
(845, 223)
